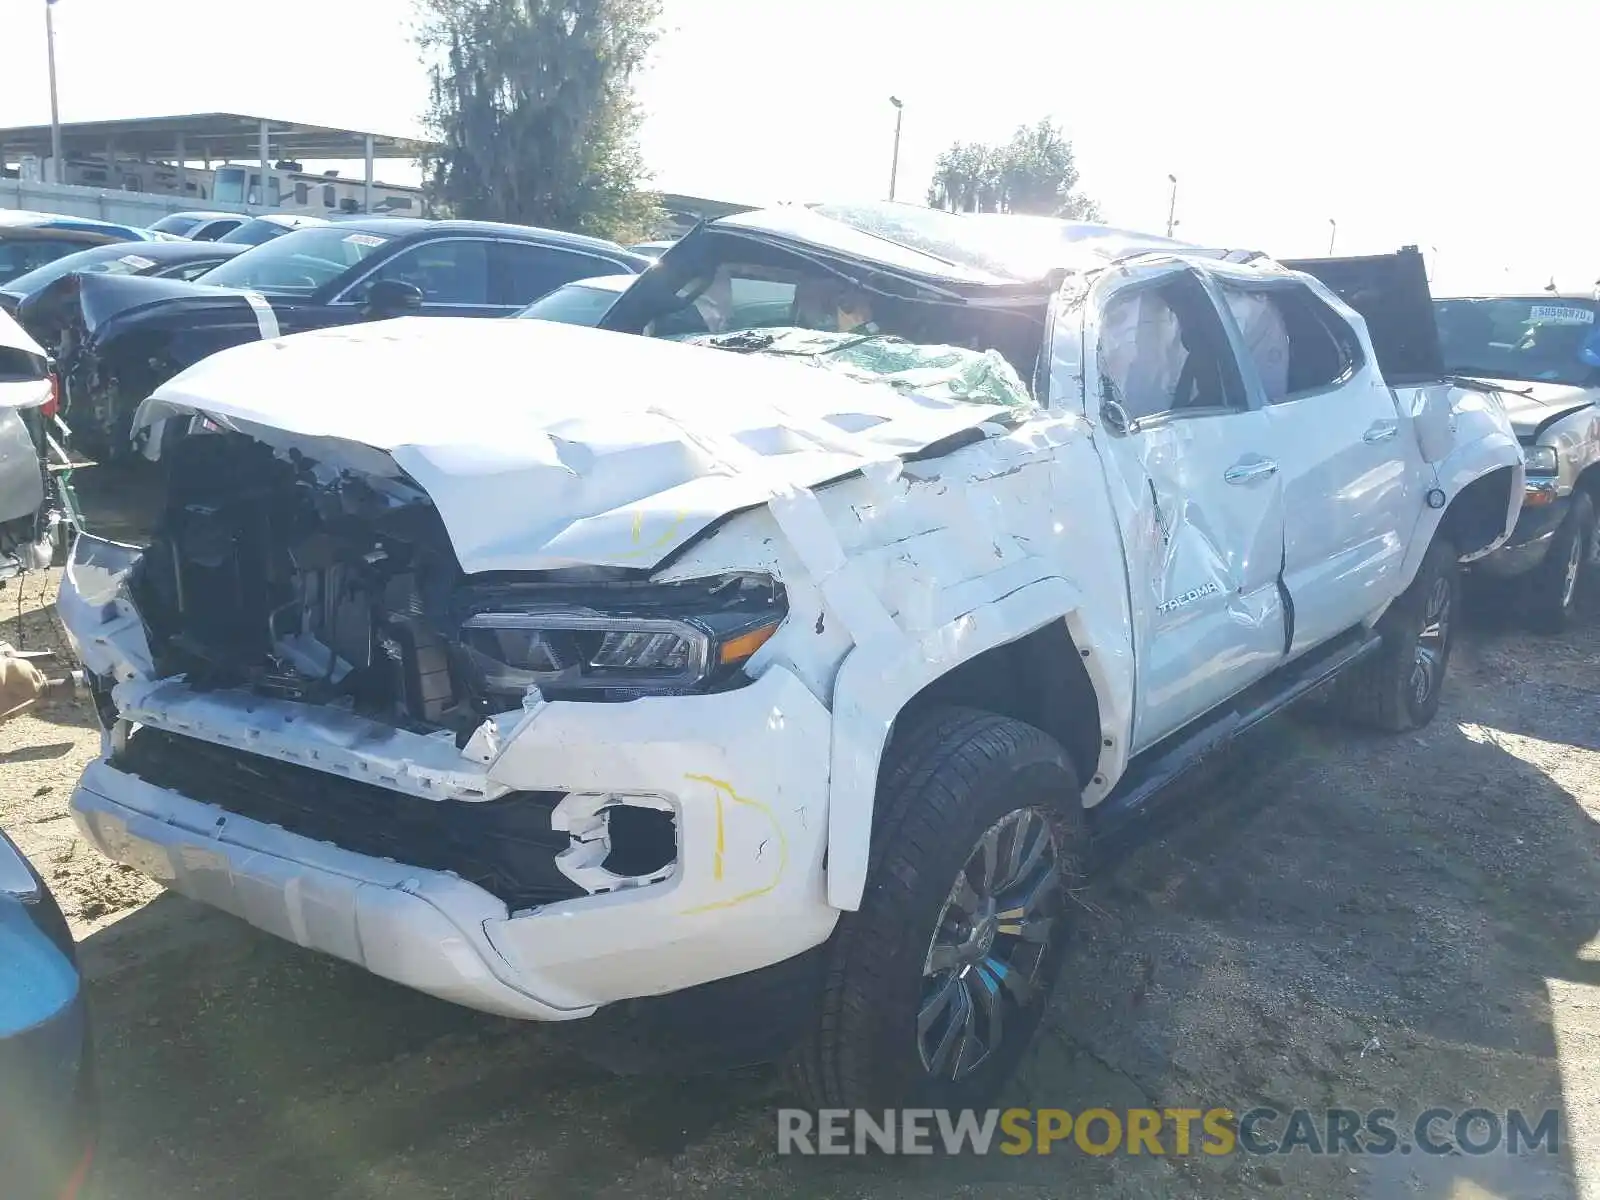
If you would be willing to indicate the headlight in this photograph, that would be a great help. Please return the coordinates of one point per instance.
(1540, 460)
(615, 641)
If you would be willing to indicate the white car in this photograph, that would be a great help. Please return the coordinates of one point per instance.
(36, 501)
(792, 673)
(1542, 353)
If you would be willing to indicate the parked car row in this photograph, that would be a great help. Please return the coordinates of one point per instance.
(31, 239)
(120, 319)
(771, 660)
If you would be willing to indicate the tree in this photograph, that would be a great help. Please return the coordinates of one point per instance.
(1035, 172)
(531, 102)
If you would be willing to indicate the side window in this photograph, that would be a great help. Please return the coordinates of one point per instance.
(447, 272)
(736, 297)
(1297, 343)
(328, 200)
(1163, 352)
(524, 272)
(301, 193)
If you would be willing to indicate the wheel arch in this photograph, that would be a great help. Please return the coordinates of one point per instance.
(1001, 656)
(1475, 521)
(1588, 482)
(1481, 511)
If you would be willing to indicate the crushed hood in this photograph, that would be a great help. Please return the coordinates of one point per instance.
(545, 445)
(1530, 405)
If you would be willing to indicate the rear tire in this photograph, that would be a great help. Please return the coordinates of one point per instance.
(1555, 589)
(1398, 687)
(935, 987)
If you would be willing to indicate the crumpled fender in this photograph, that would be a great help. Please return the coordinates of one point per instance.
(877, 679)
(1484, 442)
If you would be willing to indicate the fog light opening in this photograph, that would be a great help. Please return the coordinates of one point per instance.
(618, 842)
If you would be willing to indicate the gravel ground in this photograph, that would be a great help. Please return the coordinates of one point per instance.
(1345, 921)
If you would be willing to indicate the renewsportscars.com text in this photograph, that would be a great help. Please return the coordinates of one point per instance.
(1167, 1131)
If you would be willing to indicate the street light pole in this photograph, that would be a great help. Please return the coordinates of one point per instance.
(57, 174)
(1172, 205)
(1333, 233)
(894, 163)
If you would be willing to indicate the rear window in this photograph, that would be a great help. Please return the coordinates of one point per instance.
(1533, 339)
(575, 304)
(177, 223)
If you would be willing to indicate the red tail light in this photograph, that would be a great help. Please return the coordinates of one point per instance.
(53, 405)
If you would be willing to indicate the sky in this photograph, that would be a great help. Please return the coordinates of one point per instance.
(1464, 128)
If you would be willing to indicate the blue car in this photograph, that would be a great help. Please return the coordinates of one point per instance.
(46, 1072)
(28, 240)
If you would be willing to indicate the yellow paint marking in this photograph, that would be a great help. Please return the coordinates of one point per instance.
(724, 788)
(664, 540)
(716, 862)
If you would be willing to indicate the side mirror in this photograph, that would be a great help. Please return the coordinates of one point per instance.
(392, 298)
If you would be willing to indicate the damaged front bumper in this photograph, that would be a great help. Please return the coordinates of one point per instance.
(739, 778)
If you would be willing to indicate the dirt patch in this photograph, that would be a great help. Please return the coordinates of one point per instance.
(1339, 920)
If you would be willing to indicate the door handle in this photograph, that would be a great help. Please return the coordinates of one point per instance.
(1380, 431)
(1249, 472)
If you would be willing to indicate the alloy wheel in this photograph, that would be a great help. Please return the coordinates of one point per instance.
(1433, 643)
(1569, 574)
(990, 948)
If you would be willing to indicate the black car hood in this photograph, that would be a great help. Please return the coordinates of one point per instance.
(77, 312)
(102, 299)
(115, 337)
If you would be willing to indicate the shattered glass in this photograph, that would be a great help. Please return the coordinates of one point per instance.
(950, 373)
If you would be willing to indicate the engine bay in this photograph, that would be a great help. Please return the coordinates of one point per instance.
(272, 573)
(279, 575)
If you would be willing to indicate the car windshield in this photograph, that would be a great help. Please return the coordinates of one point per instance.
(573, 304)
(177, 223)
(297, 263)
(1540, 340)
(116, 259)
(254, 233)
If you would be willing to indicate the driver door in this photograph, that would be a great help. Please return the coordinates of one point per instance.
(1189, 460)
(453, 274)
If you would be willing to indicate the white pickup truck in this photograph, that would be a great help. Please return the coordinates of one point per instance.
(790, 677)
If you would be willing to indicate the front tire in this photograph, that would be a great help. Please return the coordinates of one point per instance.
(935, 987)
(1555, 589)
(1398, 687)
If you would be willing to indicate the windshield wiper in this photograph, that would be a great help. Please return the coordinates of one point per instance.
(1480, 383)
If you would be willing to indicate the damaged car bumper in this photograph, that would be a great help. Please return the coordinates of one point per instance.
(568, 856)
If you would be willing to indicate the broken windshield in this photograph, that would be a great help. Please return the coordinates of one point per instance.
(951, 373)
(1541, 340)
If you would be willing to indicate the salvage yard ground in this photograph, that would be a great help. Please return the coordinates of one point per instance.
(1350, 921)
